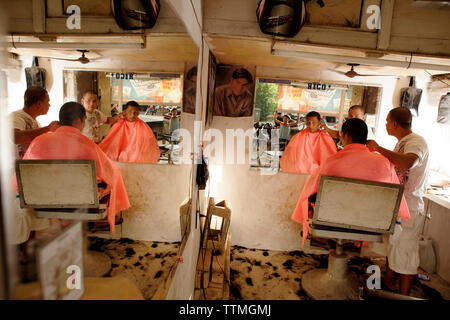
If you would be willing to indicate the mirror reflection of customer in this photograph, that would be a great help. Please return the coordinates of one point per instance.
(234, 99)
(131, 139)
(94, 117)
(191, 91)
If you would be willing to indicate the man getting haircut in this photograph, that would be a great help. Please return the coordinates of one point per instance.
(68, 143)
(308, 148)
(355, 161)
(131, 139)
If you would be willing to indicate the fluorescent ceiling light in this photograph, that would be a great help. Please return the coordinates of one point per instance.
(74, 45)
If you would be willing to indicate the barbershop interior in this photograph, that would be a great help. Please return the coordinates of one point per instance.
(194, 150)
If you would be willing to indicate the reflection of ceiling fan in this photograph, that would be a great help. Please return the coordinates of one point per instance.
(83, 59)
(352, 73)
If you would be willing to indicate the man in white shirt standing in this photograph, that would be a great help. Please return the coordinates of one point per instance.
(410, 157)
(94, 117)
(25, 125)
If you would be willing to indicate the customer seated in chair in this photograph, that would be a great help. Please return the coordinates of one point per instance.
(68, 143)
(355, 161)
(308, 149)
(131, 139)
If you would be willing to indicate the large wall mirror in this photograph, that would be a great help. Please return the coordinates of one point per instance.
(276, 98)
(159, 96)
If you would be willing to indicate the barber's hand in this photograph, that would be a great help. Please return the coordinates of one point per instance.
(372, 145)
(117, 117)
(53, 126)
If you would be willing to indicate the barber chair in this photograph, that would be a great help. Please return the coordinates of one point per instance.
(348, 210)
(65, 190)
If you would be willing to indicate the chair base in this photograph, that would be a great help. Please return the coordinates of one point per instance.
(319, 285)
(96, 264)
(334, 283)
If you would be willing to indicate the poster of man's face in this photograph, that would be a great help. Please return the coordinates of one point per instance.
(190, 88)
(234, 89)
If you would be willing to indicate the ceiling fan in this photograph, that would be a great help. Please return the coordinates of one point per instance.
(83, 59)
(352, 73)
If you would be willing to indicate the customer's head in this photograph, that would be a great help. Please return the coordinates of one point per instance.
(312, 121)
(72, 114)
(131, 111)
(354, 131)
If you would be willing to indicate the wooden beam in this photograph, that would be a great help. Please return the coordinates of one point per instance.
(384, 34)
(97, 25)
(435, 47)
(190, 12)
(38, 16)
(365, 61)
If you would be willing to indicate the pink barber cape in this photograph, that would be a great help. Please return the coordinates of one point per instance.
(68, 143)
(131, 142)
(355, 161)
(307, 151)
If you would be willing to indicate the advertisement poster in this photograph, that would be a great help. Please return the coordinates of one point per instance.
(149, 91)
(299, 99)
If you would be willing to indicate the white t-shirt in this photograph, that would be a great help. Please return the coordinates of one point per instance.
(370, 135)
(414, 178)
(92, 127)
(23, 121)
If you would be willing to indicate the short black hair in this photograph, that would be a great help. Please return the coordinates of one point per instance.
(313, 114)
(191, 73)
(242, 73)
(131, 103)
(402, 116)
(69, 112)
(357, 129)
(33, 95)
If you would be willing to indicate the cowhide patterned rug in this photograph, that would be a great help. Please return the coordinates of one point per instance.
(276, 275)
(145, 263)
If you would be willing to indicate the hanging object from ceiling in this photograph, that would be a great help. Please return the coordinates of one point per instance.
(352, 73)
(35, 75)
(410, 97)
(136, 14)
(83, 59)
(281, 18)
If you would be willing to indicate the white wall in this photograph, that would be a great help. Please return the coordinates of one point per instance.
(155, 192)
(437, 229)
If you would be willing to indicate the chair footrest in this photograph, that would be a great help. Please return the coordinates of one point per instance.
(73, 214)
(340, 233)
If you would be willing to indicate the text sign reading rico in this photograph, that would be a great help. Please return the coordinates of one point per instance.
(121, 75)
(319, 86)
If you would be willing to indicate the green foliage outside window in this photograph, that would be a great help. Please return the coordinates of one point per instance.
(266, 101)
